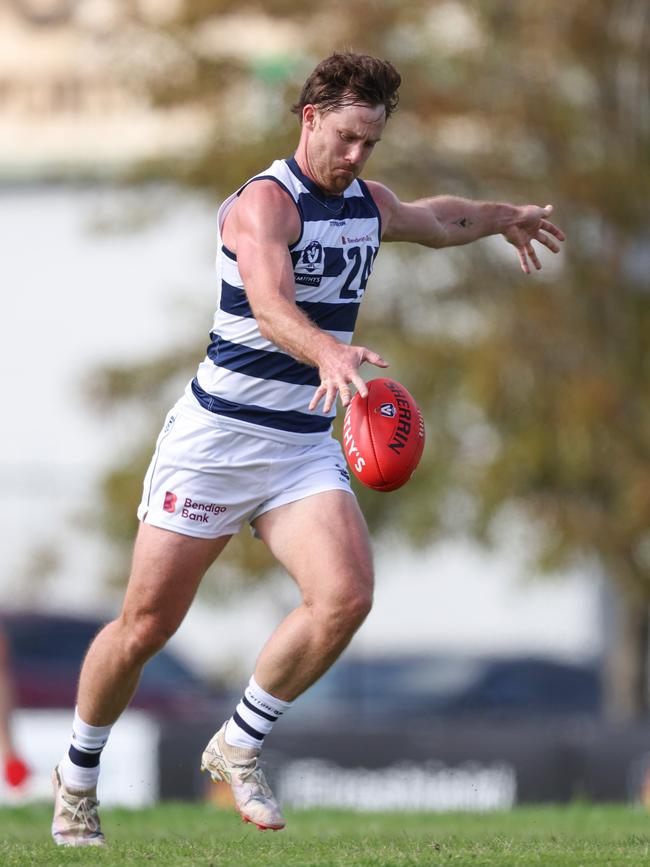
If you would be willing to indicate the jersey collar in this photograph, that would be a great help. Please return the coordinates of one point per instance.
(334, 203)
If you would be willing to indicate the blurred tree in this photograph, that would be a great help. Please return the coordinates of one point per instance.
(535, 390)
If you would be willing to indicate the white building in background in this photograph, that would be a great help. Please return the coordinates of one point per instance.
(69, 106)
(75, 77)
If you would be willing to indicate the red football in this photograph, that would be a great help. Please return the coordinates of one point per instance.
(383, 435)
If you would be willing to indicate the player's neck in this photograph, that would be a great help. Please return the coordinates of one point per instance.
(305, 167)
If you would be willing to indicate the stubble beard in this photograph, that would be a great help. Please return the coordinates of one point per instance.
(333, 183)
(340, 181)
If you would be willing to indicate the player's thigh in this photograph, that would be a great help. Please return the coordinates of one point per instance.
(166, 571)
(323, 542)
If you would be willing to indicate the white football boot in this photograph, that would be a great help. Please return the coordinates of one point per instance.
(238, 767)
(76, 819)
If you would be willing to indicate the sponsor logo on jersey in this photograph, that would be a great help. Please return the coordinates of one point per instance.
(362, 239)
(337, 222)
(388, 410)
(308, 279)
(170, 502)
(200, 512)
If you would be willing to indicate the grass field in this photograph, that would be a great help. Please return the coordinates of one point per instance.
(188, 834)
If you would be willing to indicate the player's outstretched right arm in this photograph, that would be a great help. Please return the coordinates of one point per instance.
(263, 223)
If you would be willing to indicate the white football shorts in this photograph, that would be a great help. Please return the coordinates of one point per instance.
(206, 480)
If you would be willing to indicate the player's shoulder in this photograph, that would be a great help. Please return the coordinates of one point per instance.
(384, 198)
(268, 207)
(263, 191)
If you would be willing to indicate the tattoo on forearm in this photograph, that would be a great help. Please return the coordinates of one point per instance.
(463, 222)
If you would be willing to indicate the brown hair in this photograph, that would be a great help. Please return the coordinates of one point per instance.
(350, 79)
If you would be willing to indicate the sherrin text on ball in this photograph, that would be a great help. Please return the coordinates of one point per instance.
(383, 435)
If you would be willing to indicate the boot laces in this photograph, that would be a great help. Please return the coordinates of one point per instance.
(254, 775)
(84, 811)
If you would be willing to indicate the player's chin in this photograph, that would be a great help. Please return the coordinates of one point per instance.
(342, 179)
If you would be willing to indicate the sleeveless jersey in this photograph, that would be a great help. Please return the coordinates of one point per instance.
(246, 380)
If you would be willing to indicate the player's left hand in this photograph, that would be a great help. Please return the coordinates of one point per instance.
(532, 225)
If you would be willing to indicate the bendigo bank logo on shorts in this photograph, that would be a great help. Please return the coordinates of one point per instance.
(191, 509)
(200, 512)
(170, 502)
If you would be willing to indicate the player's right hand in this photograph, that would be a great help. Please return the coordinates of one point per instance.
(339, 369)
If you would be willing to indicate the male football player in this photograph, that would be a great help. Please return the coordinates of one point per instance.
(250, 440)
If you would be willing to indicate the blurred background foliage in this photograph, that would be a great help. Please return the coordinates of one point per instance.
(534, 389)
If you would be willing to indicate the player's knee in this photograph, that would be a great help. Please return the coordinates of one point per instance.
(346, 612)
(359, 597)
(147, 634)
(358, 606)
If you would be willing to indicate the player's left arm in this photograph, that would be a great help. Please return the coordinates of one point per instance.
(447, 221)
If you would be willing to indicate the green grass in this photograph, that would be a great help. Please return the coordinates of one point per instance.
(189, 834)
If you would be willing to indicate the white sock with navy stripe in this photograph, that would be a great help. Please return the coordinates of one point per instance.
(254, 717)
(80, 766)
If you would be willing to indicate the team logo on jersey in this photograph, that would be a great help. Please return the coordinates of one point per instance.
(309, 268)
(388, 410)
(312, 256)
(170, 502)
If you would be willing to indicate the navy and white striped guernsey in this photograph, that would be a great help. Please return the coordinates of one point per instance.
(249, 382)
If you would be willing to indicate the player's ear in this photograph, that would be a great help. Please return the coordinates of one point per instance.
(309, 116)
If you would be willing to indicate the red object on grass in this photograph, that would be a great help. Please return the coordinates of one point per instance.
(16, 771)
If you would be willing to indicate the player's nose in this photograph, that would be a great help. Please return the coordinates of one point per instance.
(354, 155)
(353, 158)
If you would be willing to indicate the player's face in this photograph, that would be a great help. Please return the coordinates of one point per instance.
(339, 143)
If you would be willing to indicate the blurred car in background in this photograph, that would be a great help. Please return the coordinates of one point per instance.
(424, 688)
(46, 652)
